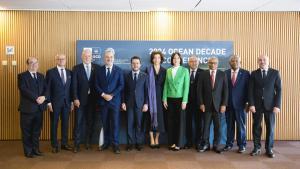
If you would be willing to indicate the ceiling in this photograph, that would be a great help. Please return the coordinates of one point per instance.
(152, 5)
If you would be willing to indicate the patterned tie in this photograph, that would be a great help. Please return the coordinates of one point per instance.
(212, 78)
(233, 78)
(62, 75)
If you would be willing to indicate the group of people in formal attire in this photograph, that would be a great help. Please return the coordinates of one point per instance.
(183, 102)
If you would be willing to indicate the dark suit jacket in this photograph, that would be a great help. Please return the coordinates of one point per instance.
(193, 88)
(59, 93)
(238, 94)
(112, 85)
(81, 85)
(266, 93)
(30, 91)
(217, 96)
(139, 94)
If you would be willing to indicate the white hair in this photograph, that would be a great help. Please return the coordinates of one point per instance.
(109, 50)
(235, 56)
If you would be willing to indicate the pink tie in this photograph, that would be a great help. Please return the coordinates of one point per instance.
(233, 78)
(212, 78)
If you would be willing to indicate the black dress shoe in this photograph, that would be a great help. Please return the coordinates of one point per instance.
(76, 149)
(242, 149)
(270, 153)
(187, 146)
(55, 150)
(138, 147)
(129, 148)
(37, 153)
(215, 148)
(227, 148)
(152, 146)
(66, 147)
(255, 152)
(103, 147)
(157, 146)
(117, 150)
(204, 148)
(29, 155)
(176, 148)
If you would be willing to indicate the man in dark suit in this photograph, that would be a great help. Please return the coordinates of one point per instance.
(135, 102)
(33, 96)
(238, 80)
(193, 115)
(59, 90)
(264, 99)
(84, 98)
(109, 86)
(213, 94)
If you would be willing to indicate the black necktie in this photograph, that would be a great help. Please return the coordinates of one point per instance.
(135, 79)
(108, 72)
(264, 74)
(62, 75)
(192, 78)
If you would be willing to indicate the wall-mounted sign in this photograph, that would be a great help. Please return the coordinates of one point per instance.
(9, 50)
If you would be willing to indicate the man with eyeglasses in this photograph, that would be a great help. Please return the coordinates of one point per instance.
(33, 96)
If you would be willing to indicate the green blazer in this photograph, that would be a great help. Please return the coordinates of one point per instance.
(177, 87)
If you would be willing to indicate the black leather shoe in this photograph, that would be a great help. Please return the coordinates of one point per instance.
(255, 152)
(29, 155)
(152, 146)
(241, 150)
(204, 148)
(138, 147)
(215, 148)
(103, 147)
(117, 150)
(66, 147)
(37, 153)
(227, 148)
(129, 147)
(87, 146)
(270, 153)
(76, 149)
(188, 146)
(157, 146)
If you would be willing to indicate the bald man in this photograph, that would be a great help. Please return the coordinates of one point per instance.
(33, 96)
(264, 100)
(59, 89)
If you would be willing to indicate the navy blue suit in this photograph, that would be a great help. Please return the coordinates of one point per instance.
(135, 96)
(110, 110)
(83, 89)
(60, 99)
(264, 94)
(31, 111)
(235, 114)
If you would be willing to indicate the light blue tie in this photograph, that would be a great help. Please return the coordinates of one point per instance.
(88, 72)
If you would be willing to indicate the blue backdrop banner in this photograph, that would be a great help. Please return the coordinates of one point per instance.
(124, 50)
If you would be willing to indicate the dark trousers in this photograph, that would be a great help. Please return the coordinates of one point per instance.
(110, 116)
(84, 120)
(173, 116)
(31, 126)
(212, 116)
(236, 119)
(194, 124)
(61, 112)
(135, 134)
(269, 117)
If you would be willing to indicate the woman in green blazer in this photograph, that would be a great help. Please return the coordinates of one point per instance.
(175, 98)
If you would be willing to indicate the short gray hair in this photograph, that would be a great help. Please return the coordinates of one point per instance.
(109, 50)
(235, 56)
